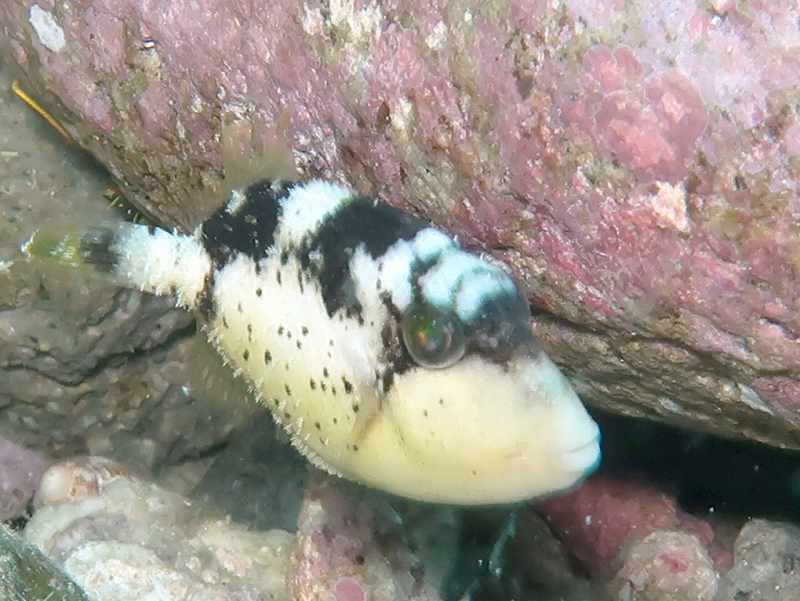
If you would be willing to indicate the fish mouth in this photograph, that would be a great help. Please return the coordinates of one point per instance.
(583, 458)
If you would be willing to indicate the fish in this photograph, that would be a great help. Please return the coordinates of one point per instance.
(389, 354)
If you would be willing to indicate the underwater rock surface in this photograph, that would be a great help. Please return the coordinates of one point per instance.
(28, 575)
(121, 538)
(767, 563)
(666, 566)
(635, 163)
(84, 366)
(20, 471)
(608, 513)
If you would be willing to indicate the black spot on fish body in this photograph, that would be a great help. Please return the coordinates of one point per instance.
(348, 387)
(267, 357)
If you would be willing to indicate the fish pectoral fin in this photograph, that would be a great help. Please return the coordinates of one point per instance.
(366, 411)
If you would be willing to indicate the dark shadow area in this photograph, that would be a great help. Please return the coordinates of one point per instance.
(707, 474)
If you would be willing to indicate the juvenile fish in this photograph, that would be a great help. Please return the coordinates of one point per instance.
(389, 354)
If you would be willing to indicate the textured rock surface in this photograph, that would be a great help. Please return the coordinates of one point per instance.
(27, 575)
(84, 366)
(665, 566)
(20, 471)
(767, 564)
(343, 553)
(597, 521)
(635, 162)
(123, 538)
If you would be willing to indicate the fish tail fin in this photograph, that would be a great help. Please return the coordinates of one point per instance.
(137, 256)
(96, 248)
(72, 249)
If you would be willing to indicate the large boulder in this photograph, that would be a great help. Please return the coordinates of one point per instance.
(635, 163)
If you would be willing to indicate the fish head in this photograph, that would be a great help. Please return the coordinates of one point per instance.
(476, 412)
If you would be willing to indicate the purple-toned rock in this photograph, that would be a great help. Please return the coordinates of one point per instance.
(636, 163)
(341, 555)
(608, 514)
(20, 471)
(665, 566)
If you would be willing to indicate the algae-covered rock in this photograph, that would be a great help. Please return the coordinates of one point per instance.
(27, 575)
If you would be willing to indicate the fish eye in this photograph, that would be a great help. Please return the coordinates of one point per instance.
(433, 338)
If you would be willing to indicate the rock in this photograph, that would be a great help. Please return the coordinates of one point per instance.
(600, 518)
(27, 575)
(112, 570)
(665, 566)
(74, 480)
(84, 366)
(635, 163)
(121, 537)
(343, 554)
(20, 471)
(767, 564)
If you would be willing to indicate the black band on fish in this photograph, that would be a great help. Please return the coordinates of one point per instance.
(246, 224)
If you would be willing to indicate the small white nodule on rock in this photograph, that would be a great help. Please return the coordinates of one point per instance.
(50, 34)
